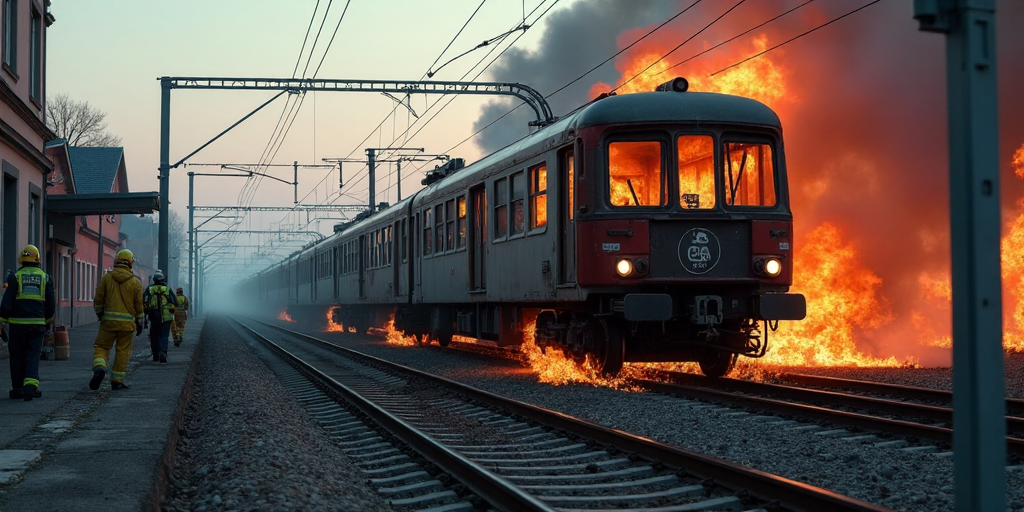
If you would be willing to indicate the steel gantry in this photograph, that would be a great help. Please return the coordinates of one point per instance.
(530, 96)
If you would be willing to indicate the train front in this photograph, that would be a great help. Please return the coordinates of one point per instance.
(685, 236)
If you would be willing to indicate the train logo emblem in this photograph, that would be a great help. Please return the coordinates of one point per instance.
(699, 251)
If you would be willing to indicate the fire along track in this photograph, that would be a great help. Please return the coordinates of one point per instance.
(900, 417)
(516, 456)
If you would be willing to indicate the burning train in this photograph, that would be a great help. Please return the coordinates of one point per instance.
(645, 227)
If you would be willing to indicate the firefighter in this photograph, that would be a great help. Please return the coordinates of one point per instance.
(160, 305)
(118, 306)
(28, 307)
(180, 315)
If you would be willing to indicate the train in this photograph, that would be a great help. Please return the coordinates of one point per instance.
(644, 227)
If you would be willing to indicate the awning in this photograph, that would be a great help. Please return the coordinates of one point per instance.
(103, 204)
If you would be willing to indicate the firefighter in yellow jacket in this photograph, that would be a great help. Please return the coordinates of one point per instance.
(118, 305)
(180, 315)
(29, 307)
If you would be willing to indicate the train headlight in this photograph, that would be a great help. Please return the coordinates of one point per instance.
(642, 266)
(624, 267)
(768, 266)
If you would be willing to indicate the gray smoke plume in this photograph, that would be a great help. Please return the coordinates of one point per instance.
(575, 39)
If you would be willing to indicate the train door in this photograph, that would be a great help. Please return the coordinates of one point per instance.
(362, 266)
(478, 244)
(396, 256)
(567, 218)
(335, 271)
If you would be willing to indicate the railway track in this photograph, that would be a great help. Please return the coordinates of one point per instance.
(516, 456)
(898, 417)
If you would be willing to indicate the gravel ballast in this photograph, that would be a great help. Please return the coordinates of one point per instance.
(247, 445)
(886, 476)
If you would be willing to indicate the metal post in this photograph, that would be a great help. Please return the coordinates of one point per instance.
(165, 170)
(191, 236)
(295, 181)
(99, 258)
(372, 164)
(399, 175)
(979, 442)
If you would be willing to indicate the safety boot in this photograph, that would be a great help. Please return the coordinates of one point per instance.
(118, 385)
(97, 377)
(16, 394)
(31, 392)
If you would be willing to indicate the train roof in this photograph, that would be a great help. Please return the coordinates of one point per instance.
(687, 107)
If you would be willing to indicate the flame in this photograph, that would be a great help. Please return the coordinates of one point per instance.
(842, 298)
(333, 326)
(284, 316)
(1012, 263)
(395, 337)
(552, 366)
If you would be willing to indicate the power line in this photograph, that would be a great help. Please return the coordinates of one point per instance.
(457, 34)
(795, 38)
(680, 45)
(331, 42)
(733, 38)
(305, 38)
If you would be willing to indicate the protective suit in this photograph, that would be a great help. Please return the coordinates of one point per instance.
(118, 305)
(180, 315)
(160, 305)
(28, 306)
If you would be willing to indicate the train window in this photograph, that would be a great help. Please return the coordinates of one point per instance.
(538, 196)
(696, 172)
(634, 174)
(439, 228)
(570, 184)
(449, 229)
(500, 208)
(388, 246)
(428, 224)
(749, 174)
(462, 222)
(403, 249)
(518, 187)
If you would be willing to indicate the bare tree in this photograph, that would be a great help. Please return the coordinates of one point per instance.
(79, 123)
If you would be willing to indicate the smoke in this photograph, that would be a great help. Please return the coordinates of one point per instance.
(864, 114)
(575, 40)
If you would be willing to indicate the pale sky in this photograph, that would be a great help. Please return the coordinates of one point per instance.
(110, 53)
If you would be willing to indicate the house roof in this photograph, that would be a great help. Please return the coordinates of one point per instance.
(95, 168)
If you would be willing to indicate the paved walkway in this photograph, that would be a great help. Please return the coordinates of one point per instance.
(80, 450)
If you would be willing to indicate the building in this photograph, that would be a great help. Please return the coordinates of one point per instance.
(23, 131)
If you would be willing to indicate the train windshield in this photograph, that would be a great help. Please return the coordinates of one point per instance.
(696, 171)
(635, 176)
(749, 174)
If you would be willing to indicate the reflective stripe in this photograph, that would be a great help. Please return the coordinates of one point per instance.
(31, 382)
(116, 376)
(26, 321)
(31, 284)
(118, 317)
(99, 362)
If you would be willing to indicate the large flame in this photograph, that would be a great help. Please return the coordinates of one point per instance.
(1013, 270)
(285, 316)
(333, 326)
(552, 366)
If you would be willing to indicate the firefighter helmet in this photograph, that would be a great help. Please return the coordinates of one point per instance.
(180, 290)
(30, 254)
(159, 278)
(126, 256)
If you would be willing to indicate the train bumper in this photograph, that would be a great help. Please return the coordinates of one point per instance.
(647, 307)
(782, 306)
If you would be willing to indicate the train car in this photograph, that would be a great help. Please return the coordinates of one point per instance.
(647, 227)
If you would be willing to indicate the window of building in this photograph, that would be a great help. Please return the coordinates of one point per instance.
(538, 196)
(634, 174)
(696, 172)
(749, 174)
(35, 61)
(33, 220)
(10, 35)
(462, 222)
(518, 189)
(428, 223)
(449, 229)
(501, 208)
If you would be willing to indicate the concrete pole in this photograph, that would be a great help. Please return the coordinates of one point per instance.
(979, 427)
(191, 237)
(371, 162)
(165, 171)
(295, 180)
(399, 175)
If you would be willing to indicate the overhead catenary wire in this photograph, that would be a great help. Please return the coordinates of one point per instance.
(790, 40)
